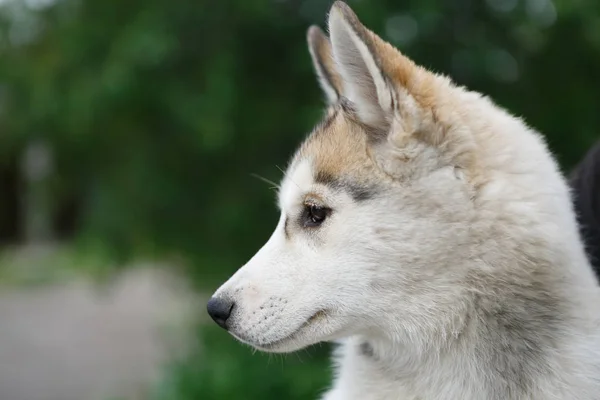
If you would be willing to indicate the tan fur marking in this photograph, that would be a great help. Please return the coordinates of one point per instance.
(339, 150)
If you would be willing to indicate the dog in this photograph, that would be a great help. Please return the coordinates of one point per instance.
(429, 233)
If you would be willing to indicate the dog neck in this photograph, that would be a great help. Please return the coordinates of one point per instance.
(492, 348)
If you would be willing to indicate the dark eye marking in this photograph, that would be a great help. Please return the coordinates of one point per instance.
(359, 192)
(314, 215)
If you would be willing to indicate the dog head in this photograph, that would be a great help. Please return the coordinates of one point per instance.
(374, 205)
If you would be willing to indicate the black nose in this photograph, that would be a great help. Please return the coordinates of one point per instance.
(220, 310)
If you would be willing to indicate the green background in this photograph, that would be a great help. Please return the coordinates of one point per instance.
(157, 113)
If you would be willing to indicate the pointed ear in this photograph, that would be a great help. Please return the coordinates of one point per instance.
(322, 58)
(365, 82)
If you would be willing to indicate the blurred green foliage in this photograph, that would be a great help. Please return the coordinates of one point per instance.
(159, 111)
(223, 369)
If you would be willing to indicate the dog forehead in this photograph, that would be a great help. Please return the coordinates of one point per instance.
(337, 148)
(334, 156)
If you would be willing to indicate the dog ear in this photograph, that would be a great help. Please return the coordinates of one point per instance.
(392, 96)
(365, 83)
(322, 58)
(375, 76)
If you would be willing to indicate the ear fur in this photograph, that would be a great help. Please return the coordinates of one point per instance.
(365, 82)
(324, 64)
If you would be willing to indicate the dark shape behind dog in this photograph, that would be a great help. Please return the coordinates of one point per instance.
(585, 182)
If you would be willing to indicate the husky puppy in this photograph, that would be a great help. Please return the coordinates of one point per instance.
(427, 231)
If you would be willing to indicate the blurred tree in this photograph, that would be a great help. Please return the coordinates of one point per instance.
(158, 112)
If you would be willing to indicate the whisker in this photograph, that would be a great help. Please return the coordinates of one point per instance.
(262, 178)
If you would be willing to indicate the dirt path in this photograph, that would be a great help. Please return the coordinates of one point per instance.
(73, 341)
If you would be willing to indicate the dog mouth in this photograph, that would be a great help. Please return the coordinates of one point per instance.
(274, 345)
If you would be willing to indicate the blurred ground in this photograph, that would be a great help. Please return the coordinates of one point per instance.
(76, 341)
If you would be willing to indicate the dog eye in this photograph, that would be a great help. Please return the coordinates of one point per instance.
(314, 215)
